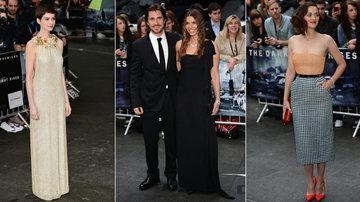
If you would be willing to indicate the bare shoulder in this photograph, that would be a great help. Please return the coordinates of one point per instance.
(59, 42)
(178, 44)
(294, 38)
(31, 45)
(326, 38)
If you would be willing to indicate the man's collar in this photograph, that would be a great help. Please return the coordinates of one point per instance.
(153, 36)
(215, 23)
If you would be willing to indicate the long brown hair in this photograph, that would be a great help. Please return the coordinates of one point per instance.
(344, 19)
(138, 28)
(201, 33)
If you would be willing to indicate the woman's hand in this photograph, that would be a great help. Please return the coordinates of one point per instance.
(286, 105)
(215, 107)
(34, 114)
(67, 109)
(231, 64)
(327, 84)
(121, 53)
(254, 45)
(335, 13)
(351, 46)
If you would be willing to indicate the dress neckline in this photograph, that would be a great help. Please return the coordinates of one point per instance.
(316, 54)
(51, 42)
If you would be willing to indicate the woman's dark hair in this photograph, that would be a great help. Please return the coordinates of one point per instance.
(200, 29)
(171, 15)
(213, 6)
(140, 20)
(42, 9)
(297, 19)
(344, 19)
(155, 7)
(254, 14)
(127, 32)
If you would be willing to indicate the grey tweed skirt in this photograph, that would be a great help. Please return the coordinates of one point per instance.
(311, 106)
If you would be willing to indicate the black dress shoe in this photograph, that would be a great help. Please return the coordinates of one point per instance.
(171, 184)
(149, 182)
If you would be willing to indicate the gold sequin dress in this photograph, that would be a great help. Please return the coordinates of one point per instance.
(49, 169)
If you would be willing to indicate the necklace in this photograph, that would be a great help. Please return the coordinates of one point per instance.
(193, 45)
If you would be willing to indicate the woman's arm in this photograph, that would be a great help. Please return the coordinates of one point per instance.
(177, 47)
(339, 59)
(215, 80)
(66, 98)
(30, 72)
(289, 77)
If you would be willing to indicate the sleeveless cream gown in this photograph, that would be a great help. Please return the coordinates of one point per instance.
(49, 168)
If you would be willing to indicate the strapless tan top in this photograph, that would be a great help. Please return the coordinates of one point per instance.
(308, 63)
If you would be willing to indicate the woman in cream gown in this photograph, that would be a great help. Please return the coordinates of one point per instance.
(49, 105)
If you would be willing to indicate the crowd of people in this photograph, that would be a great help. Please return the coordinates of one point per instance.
(18, 25)
(338, 19)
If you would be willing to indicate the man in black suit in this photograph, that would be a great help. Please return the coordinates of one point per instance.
(153, 84)
(215, 25)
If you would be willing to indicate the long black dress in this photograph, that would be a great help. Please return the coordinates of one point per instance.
(196, 138)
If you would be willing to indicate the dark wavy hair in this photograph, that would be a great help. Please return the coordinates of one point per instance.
(344, 18)
(297, 19)
(127, 32)
(201, 33)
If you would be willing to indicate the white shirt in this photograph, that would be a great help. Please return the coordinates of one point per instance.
(215, 27)
(155, 46)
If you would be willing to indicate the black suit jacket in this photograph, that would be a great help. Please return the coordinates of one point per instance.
(210, 34)
(148, 80)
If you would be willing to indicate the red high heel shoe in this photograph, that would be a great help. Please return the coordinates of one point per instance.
(320, 197)
(310, 197)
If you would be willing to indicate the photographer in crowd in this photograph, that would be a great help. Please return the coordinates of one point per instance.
(6, 30)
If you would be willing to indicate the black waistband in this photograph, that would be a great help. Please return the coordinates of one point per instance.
(308, 76)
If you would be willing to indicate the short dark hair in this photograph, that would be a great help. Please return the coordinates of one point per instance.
(44, 8)
(155, 7)
(213, 6)
(320, 2)
(297, 19)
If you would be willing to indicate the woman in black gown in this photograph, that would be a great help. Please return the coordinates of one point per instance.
(197, 63)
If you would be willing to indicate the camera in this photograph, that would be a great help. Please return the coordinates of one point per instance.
(2, 10)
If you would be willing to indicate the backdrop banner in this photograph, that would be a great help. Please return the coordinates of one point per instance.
(266, 68)
(11, 88)
(122, 84)
(232, 90)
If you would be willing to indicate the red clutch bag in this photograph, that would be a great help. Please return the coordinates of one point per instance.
(287, 116)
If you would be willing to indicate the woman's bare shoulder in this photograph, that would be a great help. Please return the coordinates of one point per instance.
(294, 38)
(326, 37)
(178, 44)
